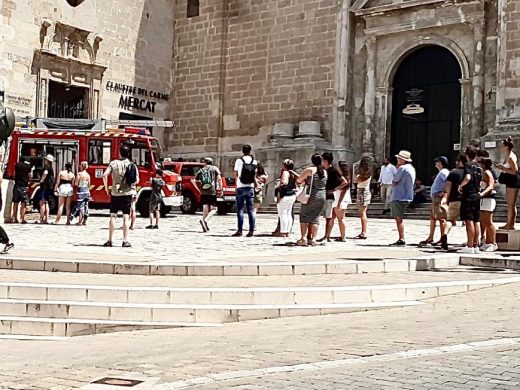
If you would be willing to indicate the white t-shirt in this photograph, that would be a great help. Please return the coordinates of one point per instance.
(238, 169)
(387, 174)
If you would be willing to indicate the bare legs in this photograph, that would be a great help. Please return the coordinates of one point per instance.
(472, 231)
(340, 215)
(486, 223)
(400, 227)
(362, 213)
(511, 199)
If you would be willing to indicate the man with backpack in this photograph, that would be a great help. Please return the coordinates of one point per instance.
(245, 173)
(211, 187)
(124, 176)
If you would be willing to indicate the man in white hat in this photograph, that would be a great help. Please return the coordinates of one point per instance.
(46, 188)
(402, 194)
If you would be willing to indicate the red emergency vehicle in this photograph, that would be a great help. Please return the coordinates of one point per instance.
(98, 148)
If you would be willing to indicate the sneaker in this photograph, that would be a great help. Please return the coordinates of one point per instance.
(238, 233)
(7, 248)
(250, 234)
(206, 225)
(467, 250)
(203, 226)
(149, 227)
(156, 227)
(425, 243)
(490, 248)
(108, 243)
(126, 244)
(476, 250)
(398, 243)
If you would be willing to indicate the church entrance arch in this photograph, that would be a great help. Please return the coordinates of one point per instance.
(426, 107)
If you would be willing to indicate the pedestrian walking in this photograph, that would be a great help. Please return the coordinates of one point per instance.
(437, 212)
(335, 182)
(46, 188)
(470, 202)
(133, 193)
(510, 178)
(315, 179)
(65, 191)
(211, 188)
(487, 206)
(386, 178)
(4, 238)
(260, 181)
(245, 175)
(342, 200)
(83, 194)
(124, 175)
(154, 205)
(402, 192)
(452, 197)
(22, 176)
(363, 173)
(286, 197)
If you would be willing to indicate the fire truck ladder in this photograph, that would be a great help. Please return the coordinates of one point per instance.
(87, 124)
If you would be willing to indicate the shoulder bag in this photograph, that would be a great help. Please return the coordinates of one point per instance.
(304, 196)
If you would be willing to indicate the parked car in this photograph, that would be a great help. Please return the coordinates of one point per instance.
(191, 187)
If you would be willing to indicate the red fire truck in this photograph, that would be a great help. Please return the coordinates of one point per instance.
(97, 145)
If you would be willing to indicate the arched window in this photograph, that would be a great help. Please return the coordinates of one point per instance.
(193, 8)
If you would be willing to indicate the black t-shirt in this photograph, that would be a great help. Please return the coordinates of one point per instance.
(472, 189)
(455, 178)
(21, 174)
(48, 183)
(333, 180)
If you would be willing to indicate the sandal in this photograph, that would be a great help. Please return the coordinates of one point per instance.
(312, 243)
(360, 237)
(301, 242)
(425, 242)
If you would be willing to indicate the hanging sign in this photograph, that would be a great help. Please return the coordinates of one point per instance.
(414, 97)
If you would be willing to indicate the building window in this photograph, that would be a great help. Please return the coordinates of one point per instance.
(193, 8)
(99, 152)
(67, 101)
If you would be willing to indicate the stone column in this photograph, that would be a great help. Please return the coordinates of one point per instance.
(370, 95)
(477, 119)
(466, 133)
(383, 127)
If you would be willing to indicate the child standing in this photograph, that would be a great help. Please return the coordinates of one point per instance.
(155, 199)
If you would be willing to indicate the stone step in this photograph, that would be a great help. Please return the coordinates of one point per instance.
(492, 261)
(25, 327)
(162, 297)
(172, 315)
(253, 268)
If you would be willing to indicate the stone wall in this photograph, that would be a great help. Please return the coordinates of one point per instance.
(131, 38)
(279, 67)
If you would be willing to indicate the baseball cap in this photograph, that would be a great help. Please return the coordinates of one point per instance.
(442, 159)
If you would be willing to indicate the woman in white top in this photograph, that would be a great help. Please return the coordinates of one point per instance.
(509, 177)
(65, 191)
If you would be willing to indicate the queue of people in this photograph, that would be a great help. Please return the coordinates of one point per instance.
(323, 189)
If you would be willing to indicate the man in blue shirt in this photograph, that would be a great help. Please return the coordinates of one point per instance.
(402, 193)
(438, 213)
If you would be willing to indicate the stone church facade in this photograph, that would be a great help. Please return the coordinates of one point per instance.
(290, 77)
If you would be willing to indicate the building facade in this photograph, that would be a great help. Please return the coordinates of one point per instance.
(87, 58)
(290, 77)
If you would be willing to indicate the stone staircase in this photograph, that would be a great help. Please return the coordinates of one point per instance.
(85, 297)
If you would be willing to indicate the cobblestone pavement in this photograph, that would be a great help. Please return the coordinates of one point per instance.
(180, 239)
(172, 355)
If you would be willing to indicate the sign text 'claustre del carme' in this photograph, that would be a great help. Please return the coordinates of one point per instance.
(128, 100)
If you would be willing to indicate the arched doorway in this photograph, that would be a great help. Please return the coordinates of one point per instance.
(426, 107)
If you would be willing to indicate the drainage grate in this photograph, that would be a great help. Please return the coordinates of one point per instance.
(123, 382)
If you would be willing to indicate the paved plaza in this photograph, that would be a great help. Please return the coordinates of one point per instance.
(467, 339)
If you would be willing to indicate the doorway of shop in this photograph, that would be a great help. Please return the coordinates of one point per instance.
(426, 108)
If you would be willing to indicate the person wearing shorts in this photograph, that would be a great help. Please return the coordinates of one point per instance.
(437, 212)
(211, 186)
(363, 174)
(470, 202)
(120, 194)
(156, 199)
(402, 192)
(487, 206)
(22, 176)
(46, 186)
(452, 198)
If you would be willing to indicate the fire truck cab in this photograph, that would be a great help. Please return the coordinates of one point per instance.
(98, 148)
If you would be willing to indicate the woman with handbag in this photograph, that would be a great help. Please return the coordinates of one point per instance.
(286, 198)
(509, 177)
(312, 199)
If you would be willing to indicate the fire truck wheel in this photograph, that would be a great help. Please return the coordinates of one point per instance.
(164, 210)
(189, 205)
(143, 205)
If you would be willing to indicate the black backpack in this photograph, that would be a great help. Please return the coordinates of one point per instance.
(130, 176)
(248, 173)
